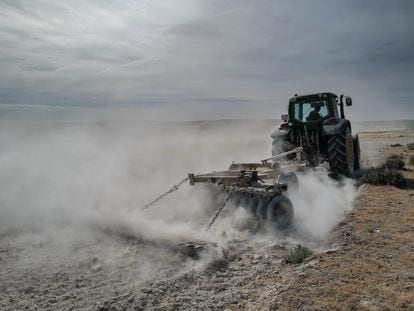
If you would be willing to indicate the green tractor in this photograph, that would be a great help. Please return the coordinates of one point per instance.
(315, 124)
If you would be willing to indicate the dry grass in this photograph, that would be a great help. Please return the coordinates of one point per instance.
(382, 176)
(411, 160)
(297, 255)
(387, 174)
(394, 162)
(373, 269)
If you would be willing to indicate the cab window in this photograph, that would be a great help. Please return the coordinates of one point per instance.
(308, 111)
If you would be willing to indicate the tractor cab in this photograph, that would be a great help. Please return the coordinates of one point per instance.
(312, 108)
(315, 123)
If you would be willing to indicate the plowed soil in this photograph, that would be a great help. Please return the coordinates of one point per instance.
(367, 263)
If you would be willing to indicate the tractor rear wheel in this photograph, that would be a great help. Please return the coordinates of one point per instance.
(341, 153)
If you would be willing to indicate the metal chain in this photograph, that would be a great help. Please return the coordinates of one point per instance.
(174, 188)
(220, 209)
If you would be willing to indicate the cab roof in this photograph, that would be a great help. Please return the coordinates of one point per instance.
(312, 96)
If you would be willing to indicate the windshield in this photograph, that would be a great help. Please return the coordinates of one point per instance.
(310, 111)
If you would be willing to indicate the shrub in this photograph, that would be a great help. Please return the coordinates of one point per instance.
(394, 162)
(410, 146)
(395, 157)
(297, 254)
(382, 176)
(395, 145)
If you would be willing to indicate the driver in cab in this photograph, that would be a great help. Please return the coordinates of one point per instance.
(314, 114)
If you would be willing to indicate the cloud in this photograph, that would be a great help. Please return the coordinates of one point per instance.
(139, 54)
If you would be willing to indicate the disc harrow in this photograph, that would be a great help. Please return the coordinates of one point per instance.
(260, 188)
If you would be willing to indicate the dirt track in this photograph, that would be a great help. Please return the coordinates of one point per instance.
(367, 263)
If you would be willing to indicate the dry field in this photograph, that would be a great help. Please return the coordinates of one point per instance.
(70, 240)
(371, 263)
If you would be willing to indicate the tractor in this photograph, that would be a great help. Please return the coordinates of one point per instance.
(314, 123)
(313, 133)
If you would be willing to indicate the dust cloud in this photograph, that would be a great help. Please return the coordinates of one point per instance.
(71, 192)
(320, 203)
(80, 183)
(96, 175)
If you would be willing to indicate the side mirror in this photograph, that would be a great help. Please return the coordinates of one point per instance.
(348, 101)
(284, 117)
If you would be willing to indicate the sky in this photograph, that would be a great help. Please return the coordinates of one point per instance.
(202, 59)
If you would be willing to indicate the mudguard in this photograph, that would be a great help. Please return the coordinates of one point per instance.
(334, 129)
